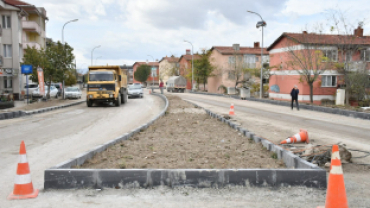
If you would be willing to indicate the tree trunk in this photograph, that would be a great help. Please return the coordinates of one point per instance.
(49, 85)
(311, 92)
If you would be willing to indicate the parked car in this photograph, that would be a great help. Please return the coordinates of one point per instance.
(59, 87)
(31, 88)
(135, 90)
(72, 92)
(53, 92)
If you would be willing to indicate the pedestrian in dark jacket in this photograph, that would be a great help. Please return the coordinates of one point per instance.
(294, 94)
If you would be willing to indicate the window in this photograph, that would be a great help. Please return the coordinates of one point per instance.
(331, 55)
(6, 21)
(365, 55)
(232, 59)
(7, 50)
(328, 81)
(8, 82)
(348, 56)
(250, 60)
(154, 72)
(265, 59)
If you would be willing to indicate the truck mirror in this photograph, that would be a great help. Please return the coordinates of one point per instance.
(119, 77)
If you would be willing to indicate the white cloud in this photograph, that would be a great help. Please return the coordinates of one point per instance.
(129, 30)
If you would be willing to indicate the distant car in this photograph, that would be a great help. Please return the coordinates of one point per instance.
(59, 87)
(31, 88)
(53, 92)
(72, 92)
(135, 90)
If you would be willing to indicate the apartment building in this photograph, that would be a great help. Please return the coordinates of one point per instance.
(130, 73)
(226, 60)
(22, 24)
(185, 66)
(333, 50)
(168, 66)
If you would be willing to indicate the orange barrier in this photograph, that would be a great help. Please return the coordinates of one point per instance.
(23, 188)
(231, 112)
(336, 192)
(302, 136)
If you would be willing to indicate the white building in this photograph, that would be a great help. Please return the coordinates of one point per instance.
(22, 25)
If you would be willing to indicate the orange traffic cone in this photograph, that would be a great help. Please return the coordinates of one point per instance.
(336, 192)
(231, 112)
(23, 188)
(302, 136)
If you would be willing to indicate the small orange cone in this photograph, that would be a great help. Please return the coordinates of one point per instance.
(23, 188)
(336, 192)
(302, 136)
(231, 112)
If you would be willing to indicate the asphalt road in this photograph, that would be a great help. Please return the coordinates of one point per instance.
(57, 136)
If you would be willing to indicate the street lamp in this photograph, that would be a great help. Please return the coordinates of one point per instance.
(92, 53)
(259, 24)
(152, 73)
(97, 59)
(192, 64)
(75, 20)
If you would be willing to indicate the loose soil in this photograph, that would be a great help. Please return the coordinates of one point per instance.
(186, 137)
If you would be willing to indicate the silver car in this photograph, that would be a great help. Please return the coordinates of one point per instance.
(72, 92)
(135, 90)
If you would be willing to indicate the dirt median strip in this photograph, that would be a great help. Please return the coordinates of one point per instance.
(185, 138)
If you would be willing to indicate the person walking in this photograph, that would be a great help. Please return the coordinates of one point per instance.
(161, 86)
(294, 93)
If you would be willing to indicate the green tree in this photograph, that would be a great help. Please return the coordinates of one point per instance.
(203, 69)
(56, 61)
(142, 73)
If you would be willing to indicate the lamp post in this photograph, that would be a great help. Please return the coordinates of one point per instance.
(192, 64)
(92, 53)
(261, 23)
(97, 59)
(152, 73)
(74, 20)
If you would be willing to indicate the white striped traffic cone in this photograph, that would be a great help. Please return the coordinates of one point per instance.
(231, 112)
(23, 188)
(302, 136)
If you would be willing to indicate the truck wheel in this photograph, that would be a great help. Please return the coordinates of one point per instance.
(122, 98)
(89, 103)
(125, 98)
(118, 101)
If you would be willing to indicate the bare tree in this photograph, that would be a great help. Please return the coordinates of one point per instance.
(305, 55)
(353, 49)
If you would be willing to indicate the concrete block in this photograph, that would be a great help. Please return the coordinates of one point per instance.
(2, 116)
(16, 114)
(9, 115)
(289, 159)
(80, 159)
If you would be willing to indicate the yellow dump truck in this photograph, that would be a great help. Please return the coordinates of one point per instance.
(106, 84)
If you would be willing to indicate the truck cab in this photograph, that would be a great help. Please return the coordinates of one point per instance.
(106, 84)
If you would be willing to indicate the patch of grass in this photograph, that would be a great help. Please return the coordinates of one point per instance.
(128, 157)
(151, 147)
(211, 166)
(227, 156)
(274, 155)
(122, 164)
(191, 159)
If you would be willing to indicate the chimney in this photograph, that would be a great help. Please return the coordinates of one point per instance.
(359, 32)
(304, 32)
(187, 51)
(256, 44)
(236, 47)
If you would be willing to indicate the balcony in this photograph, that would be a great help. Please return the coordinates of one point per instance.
(31, 44)
(31, 26)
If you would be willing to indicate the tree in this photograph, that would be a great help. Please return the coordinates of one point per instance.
(350, 46)
(309, 61)
(56, 61)
(203, 68)
(142, 73)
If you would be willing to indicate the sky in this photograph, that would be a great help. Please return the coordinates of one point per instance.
(130, 30)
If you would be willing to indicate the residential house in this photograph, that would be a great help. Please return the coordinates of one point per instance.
(130, 73)
(168, 66)
(284, 76)
(154, 76)
(185, 66)
(228, 60)
(19, 20)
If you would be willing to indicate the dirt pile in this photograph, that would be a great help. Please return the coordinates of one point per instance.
(185, 138)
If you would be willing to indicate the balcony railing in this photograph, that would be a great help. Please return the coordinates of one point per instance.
(31, 26)
(31, 44)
